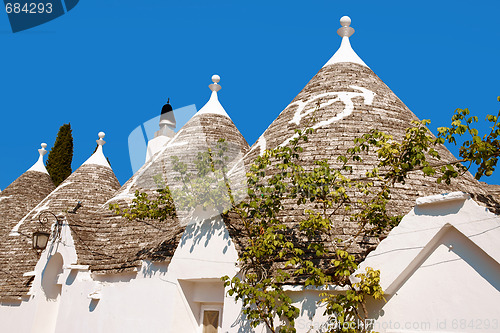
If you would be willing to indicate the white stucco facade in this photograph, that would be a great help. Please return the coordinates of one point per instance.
(439, 268)
(158, 297)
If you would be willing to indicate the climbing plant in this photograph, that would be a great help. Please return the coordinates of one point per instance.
(308, 251)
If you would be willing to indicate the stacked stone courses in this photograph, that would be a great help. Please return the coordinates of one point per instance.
(22, 196)
(91, 184)
(386, 113)
(125, 243)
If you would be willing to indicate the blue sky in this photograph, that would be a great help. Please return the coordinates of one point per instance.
(110, 65)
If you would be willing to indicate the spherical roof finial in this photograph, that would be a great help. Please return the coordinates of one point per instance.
(101, 142)
(346, 30)
(215, 85)
(42, 150)
(345, 21)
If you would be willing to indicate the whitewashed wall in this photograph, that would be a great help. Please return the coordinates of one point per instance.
(440, 269)
(156, 298)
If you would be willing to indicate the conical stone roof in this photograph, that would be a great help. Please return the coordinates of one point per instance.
(92, 184)
(125, 243)
(24, 194)
(350, 100)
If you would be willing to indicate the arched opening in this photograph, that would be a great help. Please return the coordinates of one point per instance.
(50, 276)
(48, 301)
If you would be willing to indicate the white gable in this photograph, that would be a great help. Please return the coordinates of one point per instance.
(439, 269)
(419, 229)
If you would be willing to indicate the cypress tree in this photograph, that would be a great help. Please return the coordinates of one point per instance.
(61, 155)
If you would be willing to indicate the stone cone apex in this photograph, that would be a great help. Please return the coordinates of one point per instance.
(92, 184)
(39, 165)
(124, 239)
(343, 101)
(20, 197)
(345, 53)
(98, 157)
(201, 132)
(213, 105)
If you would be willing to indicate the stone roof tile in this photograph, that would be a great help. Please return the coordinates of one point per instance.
(352, 100)
(125, 243)
(91, 184)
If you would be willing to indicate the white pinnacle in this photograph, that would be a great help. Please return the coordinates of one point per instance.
(42, 150)
(39, 166)
(213, 105)
(98, 157)
(345, 53)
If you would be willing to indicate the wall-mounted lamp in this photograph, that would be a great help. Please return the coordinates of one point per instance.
(40, 240)
(41, 237)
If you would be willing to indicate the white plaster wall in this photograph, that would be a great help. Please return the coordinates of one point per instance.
(133, 302)
(205, 253)
(158, 298)
(151, 300)
(17, 316)
(37, 313)
(440, 269)
(311, 317)
(128, 302)
(453, 290)
(420, 229)
(431, 282)
(49, 297)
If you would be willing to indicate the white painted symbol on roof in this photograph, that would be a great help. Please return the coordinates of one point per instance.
(342, 96)
(306, 108)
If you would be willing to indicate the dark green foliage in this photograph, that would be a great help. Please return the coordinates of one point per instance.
(480, 151)
(61, 155)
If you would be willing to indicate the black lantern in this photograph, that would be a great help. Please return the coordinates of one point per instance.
(40, 240)
(41, 237)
